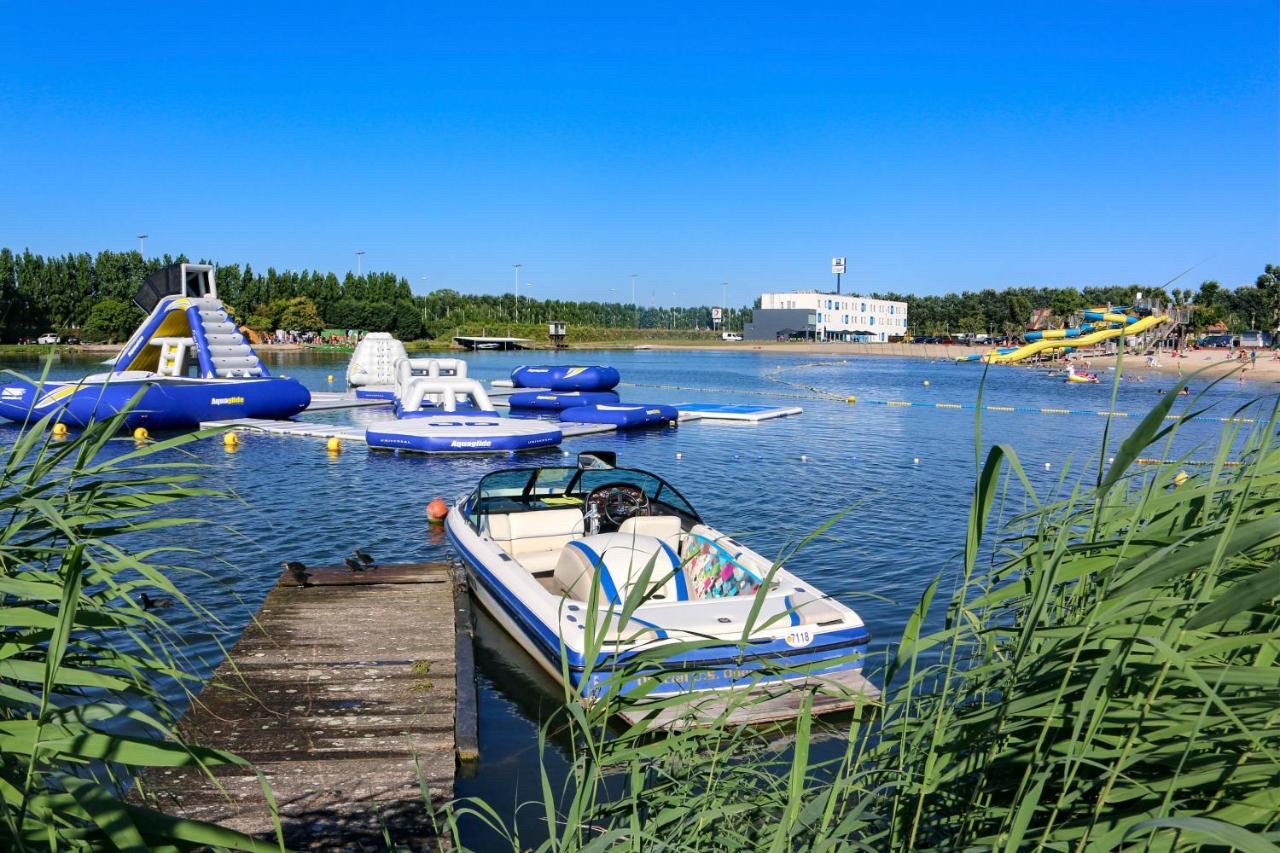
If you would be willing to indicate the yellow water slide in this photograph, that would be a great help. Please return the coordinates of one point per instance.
(1083, 341)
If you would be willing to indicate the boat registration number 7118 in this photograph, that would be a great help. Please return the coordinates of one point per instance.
(798, 638)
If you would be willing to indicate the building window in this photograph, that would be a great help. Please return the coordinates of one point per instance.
(873, 321)
(864, 308)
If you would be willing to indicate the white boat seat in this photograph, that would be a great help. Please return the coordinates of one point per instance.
(535, 537)
(540, 562)
(664, 527)
(616, 562)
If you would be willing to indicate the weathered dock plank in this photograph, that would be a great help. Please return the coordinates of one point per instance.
(343, 694)
(832, 694)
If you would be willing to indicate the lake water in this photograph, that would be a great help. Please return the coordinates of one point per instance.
(294, 500)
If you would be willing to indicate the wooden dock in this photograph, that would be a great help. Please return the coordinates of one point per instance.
(351, 695)
(830, 694)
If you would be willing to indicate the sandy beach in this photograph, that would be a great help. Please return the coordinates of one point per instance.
(1266, 369)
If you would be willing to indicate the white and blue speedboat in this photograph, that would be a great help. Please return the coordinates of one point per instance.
(543, 545)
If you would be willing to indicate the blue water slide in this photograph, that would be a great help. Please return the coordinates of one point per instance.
(202, 343)
(140, 337)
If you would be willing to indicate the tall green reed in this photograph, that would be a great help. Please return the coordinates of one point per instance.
(1109, 679)
(81, 661)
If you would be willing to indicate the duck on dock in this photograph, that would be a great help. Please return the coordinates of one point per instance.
(298, 570)
(365, 558)
(353, 564)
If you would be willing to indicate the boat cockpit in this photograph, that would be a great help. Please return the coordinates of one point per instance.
(573, 527)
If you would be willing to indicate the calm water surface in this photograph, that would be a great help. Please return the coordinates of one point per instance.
(296, 501)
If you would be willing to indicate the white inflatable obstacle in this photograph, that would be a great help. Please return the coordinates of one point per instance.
(406, 369)
(374, 361)
(423, 395)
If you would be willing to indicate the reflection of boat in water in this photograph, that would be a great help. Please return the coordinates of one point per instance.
(188, 362)
(552, 552)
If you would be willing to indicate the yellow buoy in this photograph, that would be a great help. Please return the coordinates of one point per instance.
(141, 434)
(334, 444)
(59, 429)
(230, 440)
(330, 378)
(851, 399)
(926, 383)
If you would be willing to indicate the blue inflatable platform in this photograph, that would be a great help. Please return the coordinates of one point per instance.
(554, 401)
(463, 432)
(622, 416)
(558, 378)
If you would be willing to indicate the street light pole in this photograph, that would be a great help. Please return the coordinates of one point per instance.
(673, 310)
(359, 263)
(516, 267)
(724, 305)
(635, 308)
(142, 245)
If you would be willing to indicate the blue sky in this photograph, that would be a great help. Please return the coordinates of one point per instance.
(942, 147)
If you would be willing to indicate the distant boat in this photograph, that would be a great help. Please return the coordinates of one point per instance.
(483, 342)
(642, 346)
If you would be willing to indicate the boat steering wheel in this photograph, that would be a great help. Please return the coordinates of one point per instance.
(618, 501)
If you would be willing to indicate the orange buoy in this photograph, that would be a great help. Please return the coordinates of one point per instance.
(437, 510)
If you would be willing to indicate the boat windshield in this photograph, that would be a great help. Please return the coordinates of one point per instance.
(528, 489)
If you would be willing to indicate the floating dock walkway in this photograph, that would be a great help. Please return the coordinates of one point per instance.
(352, 696)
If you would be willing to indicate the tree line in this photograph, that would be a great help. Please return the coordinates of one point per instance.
(1008, 311)
(92, 296)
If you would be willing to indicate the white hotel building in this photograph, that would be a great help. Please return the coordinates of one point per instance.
(814, 315)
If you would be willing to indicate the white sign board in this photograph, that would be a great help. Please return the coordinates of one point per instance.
(715, 314)
(837, 266)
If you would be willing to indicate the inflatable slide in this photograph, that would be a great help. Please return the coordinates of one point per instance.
(1086, 335)
(186, 363)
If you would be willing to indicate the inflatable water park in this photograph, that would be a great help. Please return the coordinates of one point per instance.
(186, 364)
(1101, 324)
(439, 409)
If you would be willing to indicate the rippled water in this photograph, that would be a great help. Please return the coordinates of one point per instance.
(296, 501)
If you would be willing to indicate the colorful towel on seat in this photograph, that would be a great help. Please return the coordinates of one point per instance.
(712, 572)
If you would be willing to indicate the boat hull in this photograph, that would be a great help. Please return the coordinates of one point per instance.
(165, 403)
(709, 668)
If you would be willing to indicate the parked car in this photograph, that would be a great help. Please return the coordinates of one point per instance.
(48, 338)
(72, 342)
(730, 336)
(1217, 341)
